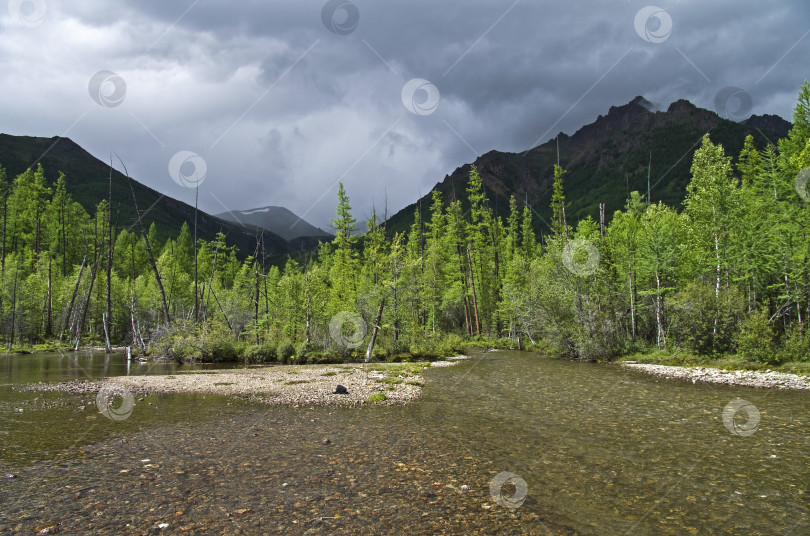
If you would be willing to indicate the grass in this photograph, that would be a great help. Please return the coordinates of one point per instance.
(390, 381)
(377, 397)
(398, 369)
(397, 373)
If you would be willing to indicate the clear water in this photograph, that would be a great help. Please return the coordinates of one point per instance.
(602, 450)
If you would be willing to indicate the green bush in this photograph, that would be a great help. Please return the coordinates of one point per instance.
(285, 351)
(260, 353)
(208, 342)
(703, 321)
(757, 340)
(436, 346)
(307, 352)
(377, 397)
(796, 346)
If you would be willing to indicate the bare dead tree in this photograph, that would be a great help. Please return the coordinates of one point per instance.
(165, 309)
(108, 311)
(73, 299)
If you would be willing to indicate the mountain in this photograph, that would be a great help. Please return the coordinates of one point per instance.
(87, 177)
(769, 122)
(277, 220)
(604, 161)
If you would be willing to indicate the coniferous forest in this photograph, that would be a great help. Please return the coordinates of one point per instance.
(729, 273)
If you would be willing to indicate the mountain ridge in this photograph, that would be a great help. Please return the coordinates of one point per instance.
(87, 180)
(604, 160)
(279, 220)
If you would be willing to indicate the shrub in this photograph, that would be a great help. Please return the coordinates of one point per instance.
(260, 353)
(435, 346)
(307, 352)
(796, 347)
(285, 351)
(704, 322)
(377, 397)
(757, 341)
(211, 341)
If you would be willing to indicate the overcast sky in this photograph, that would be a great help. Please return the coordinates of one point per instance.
(273, 102)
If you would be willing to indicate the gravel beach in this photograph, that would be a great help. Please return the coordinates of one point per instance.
(746, 378)
(279, 384)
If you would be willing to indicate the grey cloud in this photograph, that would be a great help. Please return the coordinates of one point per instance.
(280, 125)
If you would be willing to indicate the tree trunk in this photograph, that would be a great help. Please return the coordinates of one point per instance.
(632, 301)
(73, 299)
(210, 283)
(165, 309)
(14, 307)
(83, 317)
(374, 331)
(49, 305)
(475, 298)
(658, 305)
(108, 308)
(196, 297)
(106, 333)
(63, 235)
(717, 287)
(256, 314)
(5, 217)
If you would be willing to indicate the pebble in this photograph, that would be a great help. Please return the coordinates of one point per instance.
(767, 379)
(293, 385)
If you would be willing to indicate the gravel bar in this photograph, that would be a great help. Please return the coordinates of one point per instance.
(278, 384)
(767, 379)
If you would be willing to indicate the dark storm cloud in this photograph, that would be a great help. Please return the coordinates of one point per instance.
(281, 108)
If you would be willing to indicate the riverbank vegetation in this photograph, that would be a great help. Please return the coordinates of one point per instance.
(728, 274)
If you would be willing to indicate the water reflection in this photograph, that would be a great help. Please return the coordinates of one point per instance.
(84, 365)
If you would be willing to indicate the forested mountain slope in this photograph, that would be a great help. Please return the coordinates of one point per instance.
(86, 180)
(605, 160)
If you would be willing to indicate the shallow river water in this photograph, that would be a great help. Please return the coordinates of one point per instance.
(506, 443)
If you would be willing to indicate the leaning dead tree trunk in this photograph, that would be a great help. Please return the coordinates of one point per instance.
(375, 330)
(108, 309)
(83, 317)
(210, 282)
(165, 305)
(73, 299)
(14, 307)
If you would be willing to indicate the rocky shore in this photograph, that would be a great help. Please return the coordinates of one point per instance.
(287, 384)
(767, 379)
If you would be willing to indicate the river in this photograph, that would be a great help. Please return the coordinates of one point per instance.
(505, 443)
